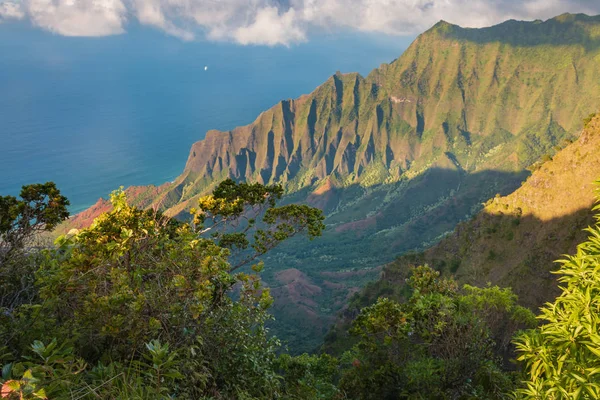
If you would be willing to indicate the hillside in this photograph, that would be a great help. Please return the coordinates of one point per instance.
(514, 241)
(396, 159)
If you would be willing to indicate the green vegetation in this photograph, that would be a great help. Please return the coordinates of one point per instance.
(141, 306)
(411, 348)
(397, 158)
(440, 344)
(40, 208)
(513, 241)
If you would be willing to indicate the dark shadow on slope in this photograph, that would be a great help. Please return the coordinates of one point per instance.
(505, 250)
(390, 219)
(385, 221)
(564, 30)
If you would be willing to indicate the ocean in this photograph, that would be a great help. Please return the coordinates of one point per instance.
(93, 114)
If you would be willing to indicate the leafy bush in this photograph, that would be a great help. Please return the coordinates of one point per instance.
(308, 376)
(442, 343)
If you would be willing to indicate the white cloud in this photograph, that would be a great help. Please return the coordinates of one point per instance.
(270, 28)
(10, 10)
(277, 22)
(78, 17)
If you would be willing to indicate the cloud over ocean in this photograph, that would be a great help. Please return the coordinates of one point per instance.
(274, 22)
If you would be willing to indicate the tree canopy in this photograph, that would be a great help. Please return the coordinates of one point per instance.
(442, 343)
(40, 208)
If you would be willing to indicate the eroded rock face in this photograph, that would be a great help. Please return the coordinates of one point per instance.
(486, 98)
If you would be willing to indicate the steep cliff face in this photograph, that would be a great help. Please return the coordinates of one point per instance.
(493, 98)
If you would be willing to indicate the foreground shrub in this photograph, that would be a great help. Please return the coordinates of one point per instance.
(142, 306)
(441, 344)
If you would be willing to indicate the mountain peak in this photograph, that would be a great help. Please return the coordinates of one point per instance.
(442, 23)
(442, 27)
(391, 125)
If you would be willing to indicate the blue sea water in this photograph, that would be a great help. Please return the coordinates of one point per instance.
(93, 114)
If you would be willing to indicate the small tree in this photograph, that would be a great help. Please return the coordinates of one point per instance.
(562, 357)
(245, 219)
(41, 208)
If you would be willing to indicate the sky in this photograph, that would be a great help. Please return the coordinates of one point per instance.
(275, 22)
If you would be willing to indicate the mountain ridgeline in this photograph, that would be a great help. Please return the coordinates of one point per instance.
(397, 158)
(474, 99)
